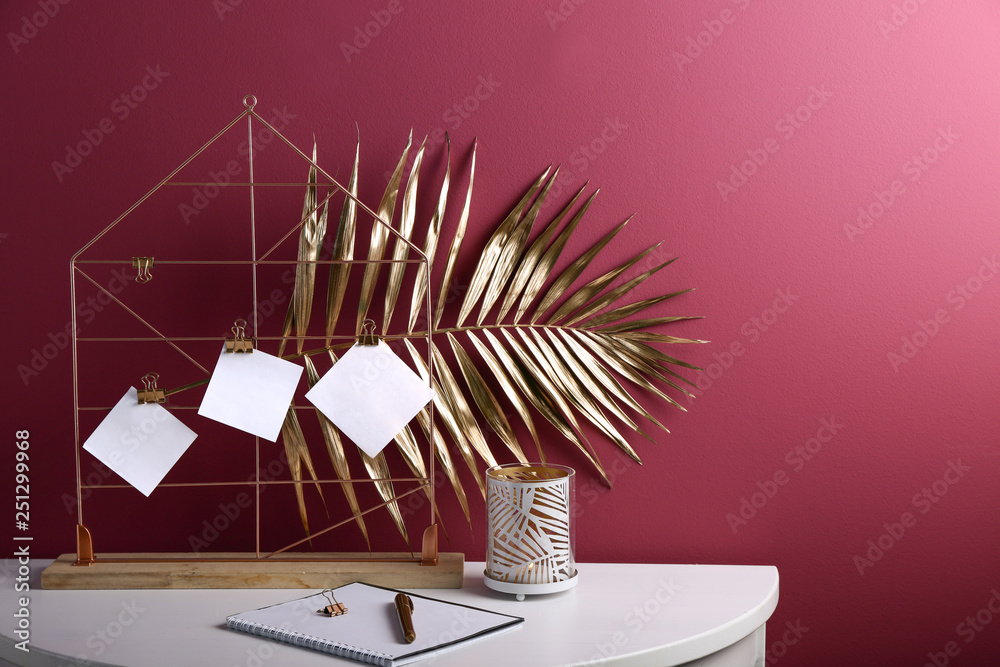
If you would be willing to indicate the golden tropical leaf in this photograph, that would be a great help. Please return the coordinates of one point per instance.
(335, 448)
(621, 312)
(494, 250)
(451, 421)
(297, 453)
(484, 398)
(542, 374)
(407, 445)
(401, 249)
(611, 357)
(632, 325)
(510, 389)
(538, 263)
(380, 233)
(633, 365)
(453, 395)
(603, 301)
(444, 459)
(312, 230)
(595, 367)
(422, 282)
(563, 368)
(510, 254)
(456, 245)
(378, 470)
(588, 291)
(577, 390)
(343, 251)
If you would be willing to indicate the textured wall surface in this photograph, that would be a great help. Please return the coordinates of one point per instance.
(826, 173)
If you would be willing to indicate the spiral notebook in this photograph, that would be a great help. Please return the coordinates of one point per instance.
(370, 631)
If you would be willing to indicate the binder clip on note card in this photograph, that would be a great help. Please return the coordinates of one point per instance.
(239, 342)
(250, 392)
(139, 439)
(334, 608)
(150, 393)
(370, 394)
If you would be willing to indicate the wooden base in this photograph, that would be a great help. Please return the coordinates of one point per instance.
(194, 570)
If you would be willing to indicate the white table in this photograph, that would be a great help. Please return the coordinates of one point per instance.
(692, 615)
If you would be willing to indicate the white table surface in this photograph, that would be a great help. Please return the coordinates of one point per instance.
(624, 614)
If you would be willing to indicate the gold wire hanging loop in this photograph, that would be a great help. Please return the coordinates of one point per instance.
(239, 342)
(150, 393)
(368, 336)
(239, 328)
(143, 264)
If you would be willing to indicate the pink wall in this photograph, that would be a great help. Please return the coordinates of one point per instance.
(864, 393)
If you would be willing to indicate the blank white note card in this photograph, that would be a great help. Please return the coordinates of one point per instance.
(370, 394)
(251, 392)
(141, 443)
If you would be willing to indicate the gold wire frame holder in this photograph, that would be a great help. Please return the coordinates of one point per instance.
(373, 567)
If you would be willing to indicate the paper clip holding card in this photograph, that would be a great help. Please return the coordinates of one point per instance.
(334, 608)
(239, 342)
(143, 265)
(368, 336)
(150, 393)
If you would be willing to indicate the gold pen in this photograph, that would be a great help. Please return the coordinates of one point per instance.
(404, 609)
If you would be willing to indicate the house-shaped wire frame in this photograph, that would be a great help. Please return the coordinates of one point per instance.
(147, 267)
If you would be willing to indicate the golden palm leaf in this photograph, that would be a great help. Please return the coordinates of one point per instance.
(570, 367)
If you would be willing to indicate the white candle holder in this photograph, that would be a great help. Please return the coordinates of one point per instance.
(530, 549)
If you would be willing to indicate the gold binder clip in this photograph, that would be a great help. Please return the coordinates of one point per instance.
(143, 264)
(150, 393)
(368, 336)
(334, 608)
(239, 343)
